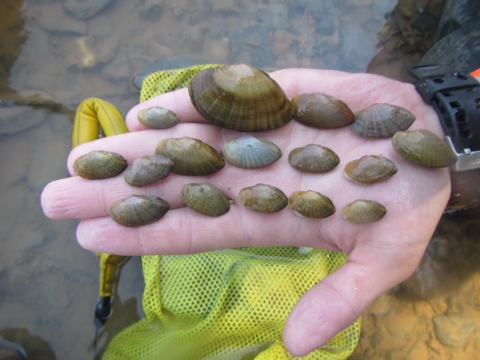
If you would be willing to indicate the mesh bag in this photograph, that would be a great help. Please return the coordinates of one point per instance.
(228, 304)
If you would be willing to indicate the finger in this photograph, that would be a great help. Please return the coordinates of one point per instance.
(340, 298)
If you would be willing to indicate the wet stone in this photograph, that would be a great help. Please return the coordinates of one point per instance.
(55, 20)
(84, 9)
(18, 118)
(454, 329)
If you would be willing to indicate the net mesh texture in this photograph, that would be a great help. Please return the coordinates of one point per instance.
(227, 304)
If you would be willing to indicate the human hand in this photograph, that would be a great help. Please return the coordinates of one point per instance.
(380, 255)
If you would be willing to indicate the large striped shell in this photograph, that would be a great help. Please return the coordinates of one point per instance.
(190, 156)
(313, 158)
(205, 199)
(424, 148)
(311, 204)
(251, 152)
(382, 120)
(240, 97)
(322, 111)
(138, 210)
(99, 165)
(263, 198)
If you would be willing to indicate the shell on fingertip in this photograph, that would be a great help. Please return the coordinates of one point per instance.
(250, 152)
(157, 118)
(263, 198)
(311, 204)
(363, 211)
(147, 170)
(382, 120)
(99, 165)
(205, 199)
(138, 210)
(313, 158)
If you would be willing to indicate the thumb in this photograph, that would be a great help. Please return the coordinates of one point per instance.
(339, 299)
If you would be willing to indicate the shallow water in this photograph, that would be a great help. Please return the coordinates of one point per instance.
(54, 57)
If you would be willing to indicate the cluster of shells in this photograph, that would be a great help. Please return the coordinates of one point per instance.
(243, 98)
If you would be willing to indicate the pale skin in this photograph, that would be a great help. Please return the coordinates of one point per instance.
(380, 255)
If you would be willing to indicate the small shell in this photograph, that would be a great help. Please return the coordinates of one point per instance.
(363, 211)
(205, 199)
(322, 111)
(370, 169)
(313, 159)
(240, 97)
(424, 148)
(190, 156)
(99, 165)
(382, 120)
(138, 210)
(263, 198)
(311, 204)
(157, 118)
(250, 152)
(147, 170)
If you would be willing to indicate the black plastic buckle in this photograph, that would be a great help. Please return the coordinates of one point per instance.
(456, 98)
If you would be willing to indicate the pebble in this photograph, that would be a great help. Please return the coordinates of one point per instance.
(454, 329)
(85, 9)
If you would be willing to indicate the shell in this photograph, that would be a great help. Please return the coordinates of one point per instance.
(205, 199)
(251, 152)
(424, 148)
(157, 118)
(147, 170)
(190, 156)
(138, 210)
(382, 120)
(313, 159)
(311, 204)
(322, 111)
(263, 198)
(363, 211)
(240, 97)
(370, 169)
(99, 165)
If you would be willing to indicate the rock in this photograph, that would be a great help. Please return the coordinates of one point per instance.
(418, 351)
(454, 329)
(16, 118)
(87, 52)
(14, 197)
(119, 68)
(251, 44)
(152, 9)
(53, 19)
(179, 9)
(84, 9)
(17, 162)
(223, 7)
(275, 16)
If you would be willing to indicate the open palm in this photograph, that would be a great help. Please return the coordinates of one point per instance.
(380, 255)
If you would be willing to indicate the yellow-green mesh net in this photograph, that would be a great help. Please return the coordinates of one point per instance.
(228, 304)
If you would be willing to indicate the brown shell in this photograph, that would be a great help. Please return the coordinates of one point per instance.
(157, 118)
(322, 111)
(382, 120)
(313, 158)
(147, 170)
(190, 156)
(251, 152)
(240, 97)
(370, 169)
(363, 211)
(311, 204)
(205, 199)
(138, 210)
(99, 165)
(424, 148)
(263, 198)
